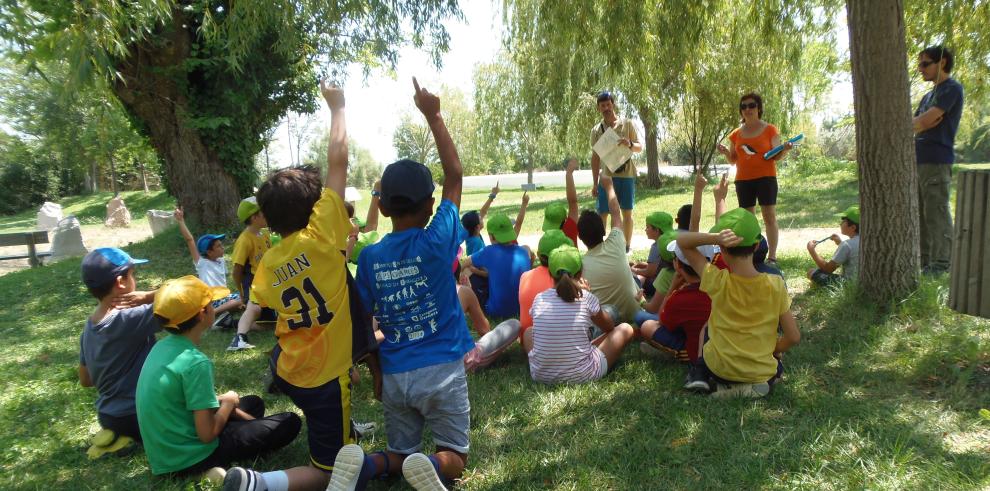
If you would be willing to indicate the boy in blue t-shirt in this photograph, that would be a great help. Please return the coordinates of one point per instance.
(505, 262)
(405, 281)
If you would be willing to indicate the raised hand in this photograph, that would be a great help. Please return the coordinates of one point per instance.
(334, 95)
(427, 103)
(722, 149)
(727, 239)
(179, 215)
(525, 199)
(721, 189)
(572, 165)
(699, 181)
(496, 189)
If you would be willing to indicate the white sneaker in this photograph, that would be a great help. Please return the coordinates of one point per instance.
(420, 474)
(362, 430)
(241, 479)
(751, 391)
(346, 468)
(239, 342)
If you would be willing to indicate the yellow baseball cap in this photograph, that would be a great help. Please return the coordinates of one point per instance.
(181, 299)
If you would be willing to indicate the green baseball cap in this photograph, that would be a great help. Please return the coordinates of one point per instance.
(742, 223)
(360, 222)
(554, 215)
(247, 207)
(363, 240)
(501, 228)
(663, 241)
(565, 258)
(552, 240)
(851, 214)
(661, 221)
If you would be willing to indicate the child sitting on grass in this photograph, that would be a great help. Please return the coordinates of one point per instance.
(250, 247)
(207, 256)
(557, 215)
(538, 279)
(658, 224)
(505, 262)
(558, 345)
(186, 427)
(474, 221)
(847, 255)
(741, 357)
(114, 344)
(685, 310)
(662, 283)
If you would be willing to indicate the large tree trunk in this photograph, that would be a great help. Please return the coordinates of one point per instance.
(889, 245)
(196, 177)
(652, 151)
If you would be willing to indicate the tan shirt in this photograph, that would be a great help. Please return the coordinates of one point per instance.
(607, 271)
(624, 128)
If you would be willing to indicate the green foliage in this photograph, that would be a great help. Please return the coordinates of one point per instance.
(26, 179)
(362, 168)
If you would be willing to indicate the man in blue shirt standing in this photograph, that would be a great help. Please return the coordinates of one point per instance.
(935, 125)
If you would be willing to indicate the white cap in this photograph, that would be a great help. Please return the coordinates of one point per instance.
(708, 251)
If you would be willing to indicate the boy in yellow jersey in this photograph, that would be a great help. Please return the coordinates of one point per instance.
(742, 354)
(249, 248)
(304, 278)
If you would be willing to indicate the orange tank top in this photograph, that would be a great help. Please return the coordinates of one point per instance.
(754, 166)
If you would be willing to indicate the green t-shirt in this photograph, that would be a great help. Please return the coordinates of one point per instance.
(176, 380)
(663, 280)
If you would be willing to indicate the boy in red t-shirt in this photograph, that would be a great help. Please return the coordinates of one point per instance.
(683, 315)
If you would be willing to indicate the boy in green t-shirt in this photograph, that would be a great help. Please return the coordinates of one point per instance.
(742, 354)
(186, 427)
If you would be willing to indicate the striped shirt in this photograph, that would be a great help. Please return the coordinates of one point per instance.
(561, 349)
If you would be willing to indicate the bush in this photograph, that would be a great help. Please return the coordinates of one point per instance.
(26, 179)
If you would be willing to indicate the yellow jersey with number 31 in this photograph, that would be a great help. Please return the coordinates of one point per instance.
(304, 279)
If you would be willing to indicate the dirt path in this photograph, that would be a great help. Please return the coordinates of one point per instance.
(94, 236)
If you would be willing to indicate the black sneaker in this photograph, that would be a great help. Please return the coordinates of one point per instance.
(241, 479)
(239, 342)
(697, 379)
(220, 322)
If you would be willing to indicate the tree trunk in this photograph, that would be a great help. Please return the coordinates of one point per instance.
(196, 177)
(652, 147)
(94, 175)
(884, 149)
(144, 175)
(113, 175)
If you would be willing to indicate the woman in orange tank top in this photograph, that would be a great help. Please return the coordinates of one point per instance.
(756, 177)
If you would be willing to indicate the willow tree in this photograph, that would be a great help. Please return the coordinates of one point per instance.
(206, 79)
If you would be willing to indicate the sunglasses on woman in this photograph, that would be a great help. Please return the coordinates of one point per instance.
(750, 105)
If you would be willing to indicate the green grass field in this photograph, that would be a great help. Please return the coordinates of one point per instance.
(870, 400)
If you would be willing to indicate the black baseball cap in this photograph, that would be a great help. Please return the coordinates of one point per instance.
(406, 179)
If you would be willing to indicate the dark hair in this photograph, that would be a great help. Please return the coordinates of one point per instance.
(741, 251)
(686, 267)
(180, 327)
(247, 221)
(401, 206)
(567, 288)
(350, 209)
(470, 222)
(103, 290)
(591, 228)
(545, 260)
(606, 96)
(936, 53)
(756, 97)
(684, 217)
(287, 198)
(852, 224)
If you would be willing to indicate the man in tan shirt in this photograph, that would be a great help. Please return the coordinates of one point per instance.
(624, 178)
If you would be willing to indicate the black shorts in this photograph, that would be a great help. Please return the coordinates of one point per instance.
(822, 278)
(763, 189)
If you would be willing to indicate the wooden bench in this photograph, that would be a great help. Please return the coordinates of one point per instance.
(30, 239)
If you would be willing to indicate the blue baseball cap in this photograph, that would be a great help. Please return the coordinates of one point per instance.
(204, 241)
(406, 179)
(105, 264)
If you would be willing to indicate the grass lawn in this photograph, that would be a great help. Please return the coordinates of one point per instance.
(92, 209)
(870, 400)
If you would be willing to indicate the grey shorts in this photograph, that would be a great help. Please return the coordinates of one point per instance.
(436, 395)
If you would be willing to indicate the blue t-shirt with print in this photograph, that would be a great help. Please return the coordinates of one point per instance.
(505, 264)
(935, 145)
(474, 244)
(405, 281)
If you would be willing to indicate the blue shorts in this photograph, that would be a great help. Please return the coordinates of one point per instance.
(625, 190)
(436, 395)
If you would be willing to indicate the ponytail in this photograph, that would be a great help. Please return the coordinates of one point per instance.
(567, 287)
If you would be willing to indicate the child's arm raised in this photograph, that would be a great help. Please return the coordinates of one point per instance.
(689, 242)
(483, 212)
(613, 202)
(336, 177)
(699, 188)
(371, 221)
(721, 191)
(180, 218)
(453, 173)
(522, 212)
(791, 335)
(572, 201)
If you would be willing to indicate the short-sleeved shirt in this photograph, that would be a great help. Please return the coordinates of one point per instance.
(176, 380)
(562, 351)
(531, 284)
(687, 309)
(742, 328)
(505, 264)
(113, 351)
(250, 248)
(474, 244)
(570, 229)
(213, 273)
(624, 128)
(654, 256)
(405, 280)
(607, 271)
(663, 280)
(847, 255)
(304, 279)
(935, 145)
(754, 166)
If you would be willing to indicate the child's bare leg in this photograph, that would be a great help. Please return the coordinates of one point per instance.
(307, 478)
(247, 321)
(773, 233)
(228, 306)
(615, 341)
(451, 463)
(527, 340)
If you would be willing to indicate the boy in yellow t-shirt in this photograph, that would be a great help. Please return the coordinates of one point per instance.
(742, 354)
(249, 248)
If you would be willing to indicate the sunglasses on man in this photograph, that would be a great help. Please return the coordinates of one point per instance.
(926, 64)
(751, 105)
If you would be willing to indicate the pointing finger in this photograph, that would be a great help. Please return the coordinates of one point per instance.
(416, 85)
